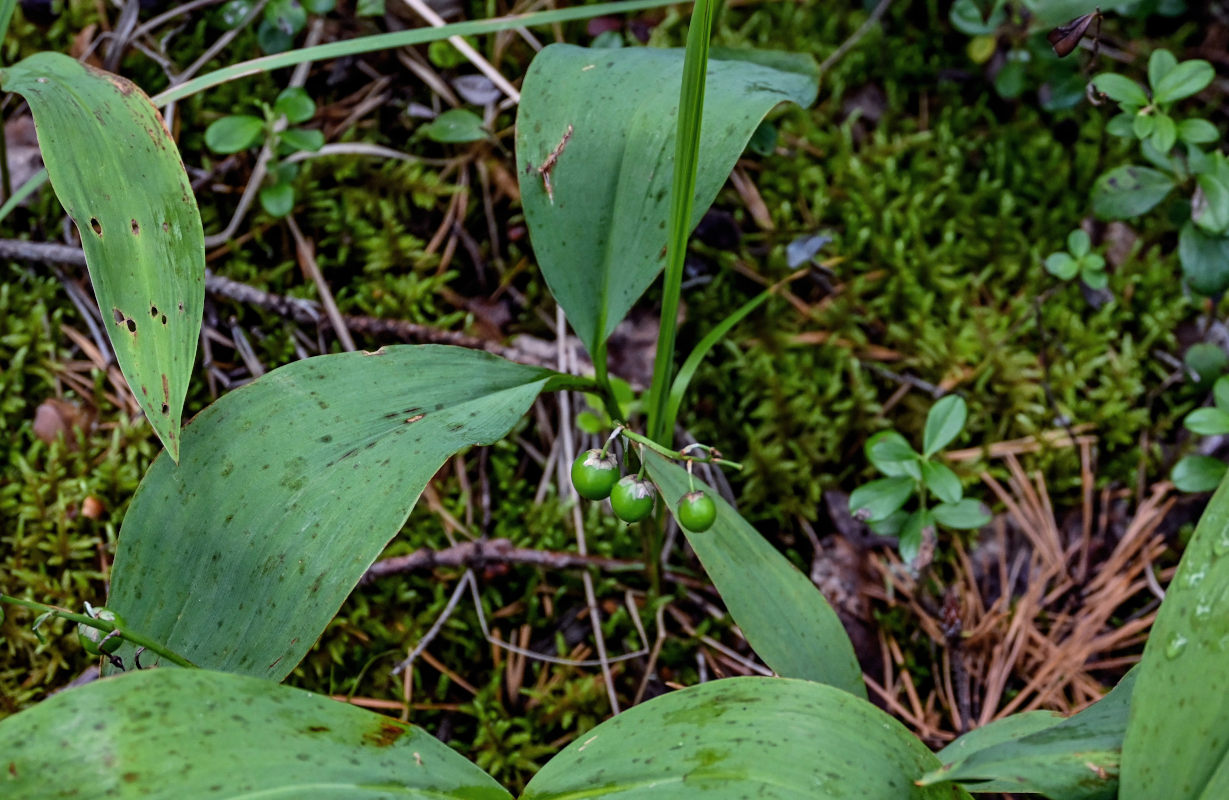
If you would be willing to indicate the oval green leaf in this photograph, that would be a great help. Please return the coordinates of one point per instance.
(289, 489)
(780, 611)
(1160, 64)
(1184, 80)
(877, 500)
(940, 479)
(1198, 473)
(964, 515)
(1120, 89)
(1207, 421)
(296, 104)
(1204, 259)
(1129, 191)
(769, 738)
(944, 423)
(599, 126)
(455, 126)
(892, 455)
(1178, 732)
(118, 174)
(234, 133)
(172, 733)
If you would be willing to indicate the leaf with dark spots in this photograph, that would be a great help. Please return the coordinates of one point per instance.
(112, 164)
(173, 733)
(301, 503)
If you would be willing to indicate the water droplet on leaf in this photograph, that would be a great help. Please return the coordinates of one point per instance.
(1176, 644)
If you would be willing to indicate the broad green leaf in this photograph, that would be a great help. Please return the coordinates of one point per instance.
(892, 455)
(234, 133)
(1184, 80)
(780, 611)
(940, 479)
(1197, 131)
(599, 125)
(1160, 64)
(1129, 191)
(1198, 473)
(289, 489)
(296, 104)
(455, 126)
(1207, 421)
(767, 738)
(117, 171)
(964, 515)
(1178, 733)
(173, 734)
(1041, 753)
(877, 500)
(1204, 259)
(944, 423)
(1120, 89)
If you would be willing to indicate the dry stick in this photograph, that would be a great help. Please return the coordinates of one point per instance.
(578, 524)
(502, 551)
(307, 261)
(423, 10)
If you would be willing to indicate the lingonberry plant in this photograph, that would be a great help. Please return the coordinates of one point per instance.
(246, 536)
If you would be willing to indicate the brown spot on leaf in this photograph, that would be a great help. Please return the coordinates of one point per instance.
(136, 229)
(96, 225)
(317, 728)
(386, 734)
(130, 777)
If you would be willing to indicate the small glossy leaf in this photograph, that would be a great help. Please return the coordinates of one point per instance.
(1220, 393)
(289, 489)
(296, 104)
(892, 455)
(1121, 125)
(1178, 733)
(117, 171)
(1197, 131)
(308, 140)
(967, 514)
(273, 38)
(1210, 206)
(277, 200)
(1073, 759)
(599, 125)
(171, 733)
(876, 500)
(944, 423)
(1164, 133)
(942, 481)
(1093, 275)
(1205, 260)
(234, 133)
(1129, 191)
(1207, 421)
(1120, 89)
(1144, 125)
(1209, 362)
(232, 14)
(769, 738)
(1078, 243)
(1198, 473)
(784, 617)
(455, 126)
(912, 532)
(1160, 64)
(1061, 265)
(1184, 80)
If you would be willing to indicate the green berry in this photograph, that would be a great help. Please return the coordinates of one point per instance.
(91, 639)
(594, 475)
(696, 512)
(632, 499)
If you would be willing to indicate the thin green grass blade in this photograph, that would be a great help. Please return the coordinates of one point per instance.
(116, 170)
(682, 198)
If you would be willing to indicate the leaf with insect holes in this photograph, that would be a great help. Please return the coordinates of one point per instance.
(595, 137)
(117, 171)
(944, 423)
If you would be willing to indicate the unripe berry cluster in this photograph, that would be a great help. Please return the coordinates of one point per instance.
(596, 477)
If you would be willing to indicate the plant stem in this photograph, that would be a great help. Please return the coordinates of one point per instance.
(682, 200)
(102, 625)
(678, 455)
